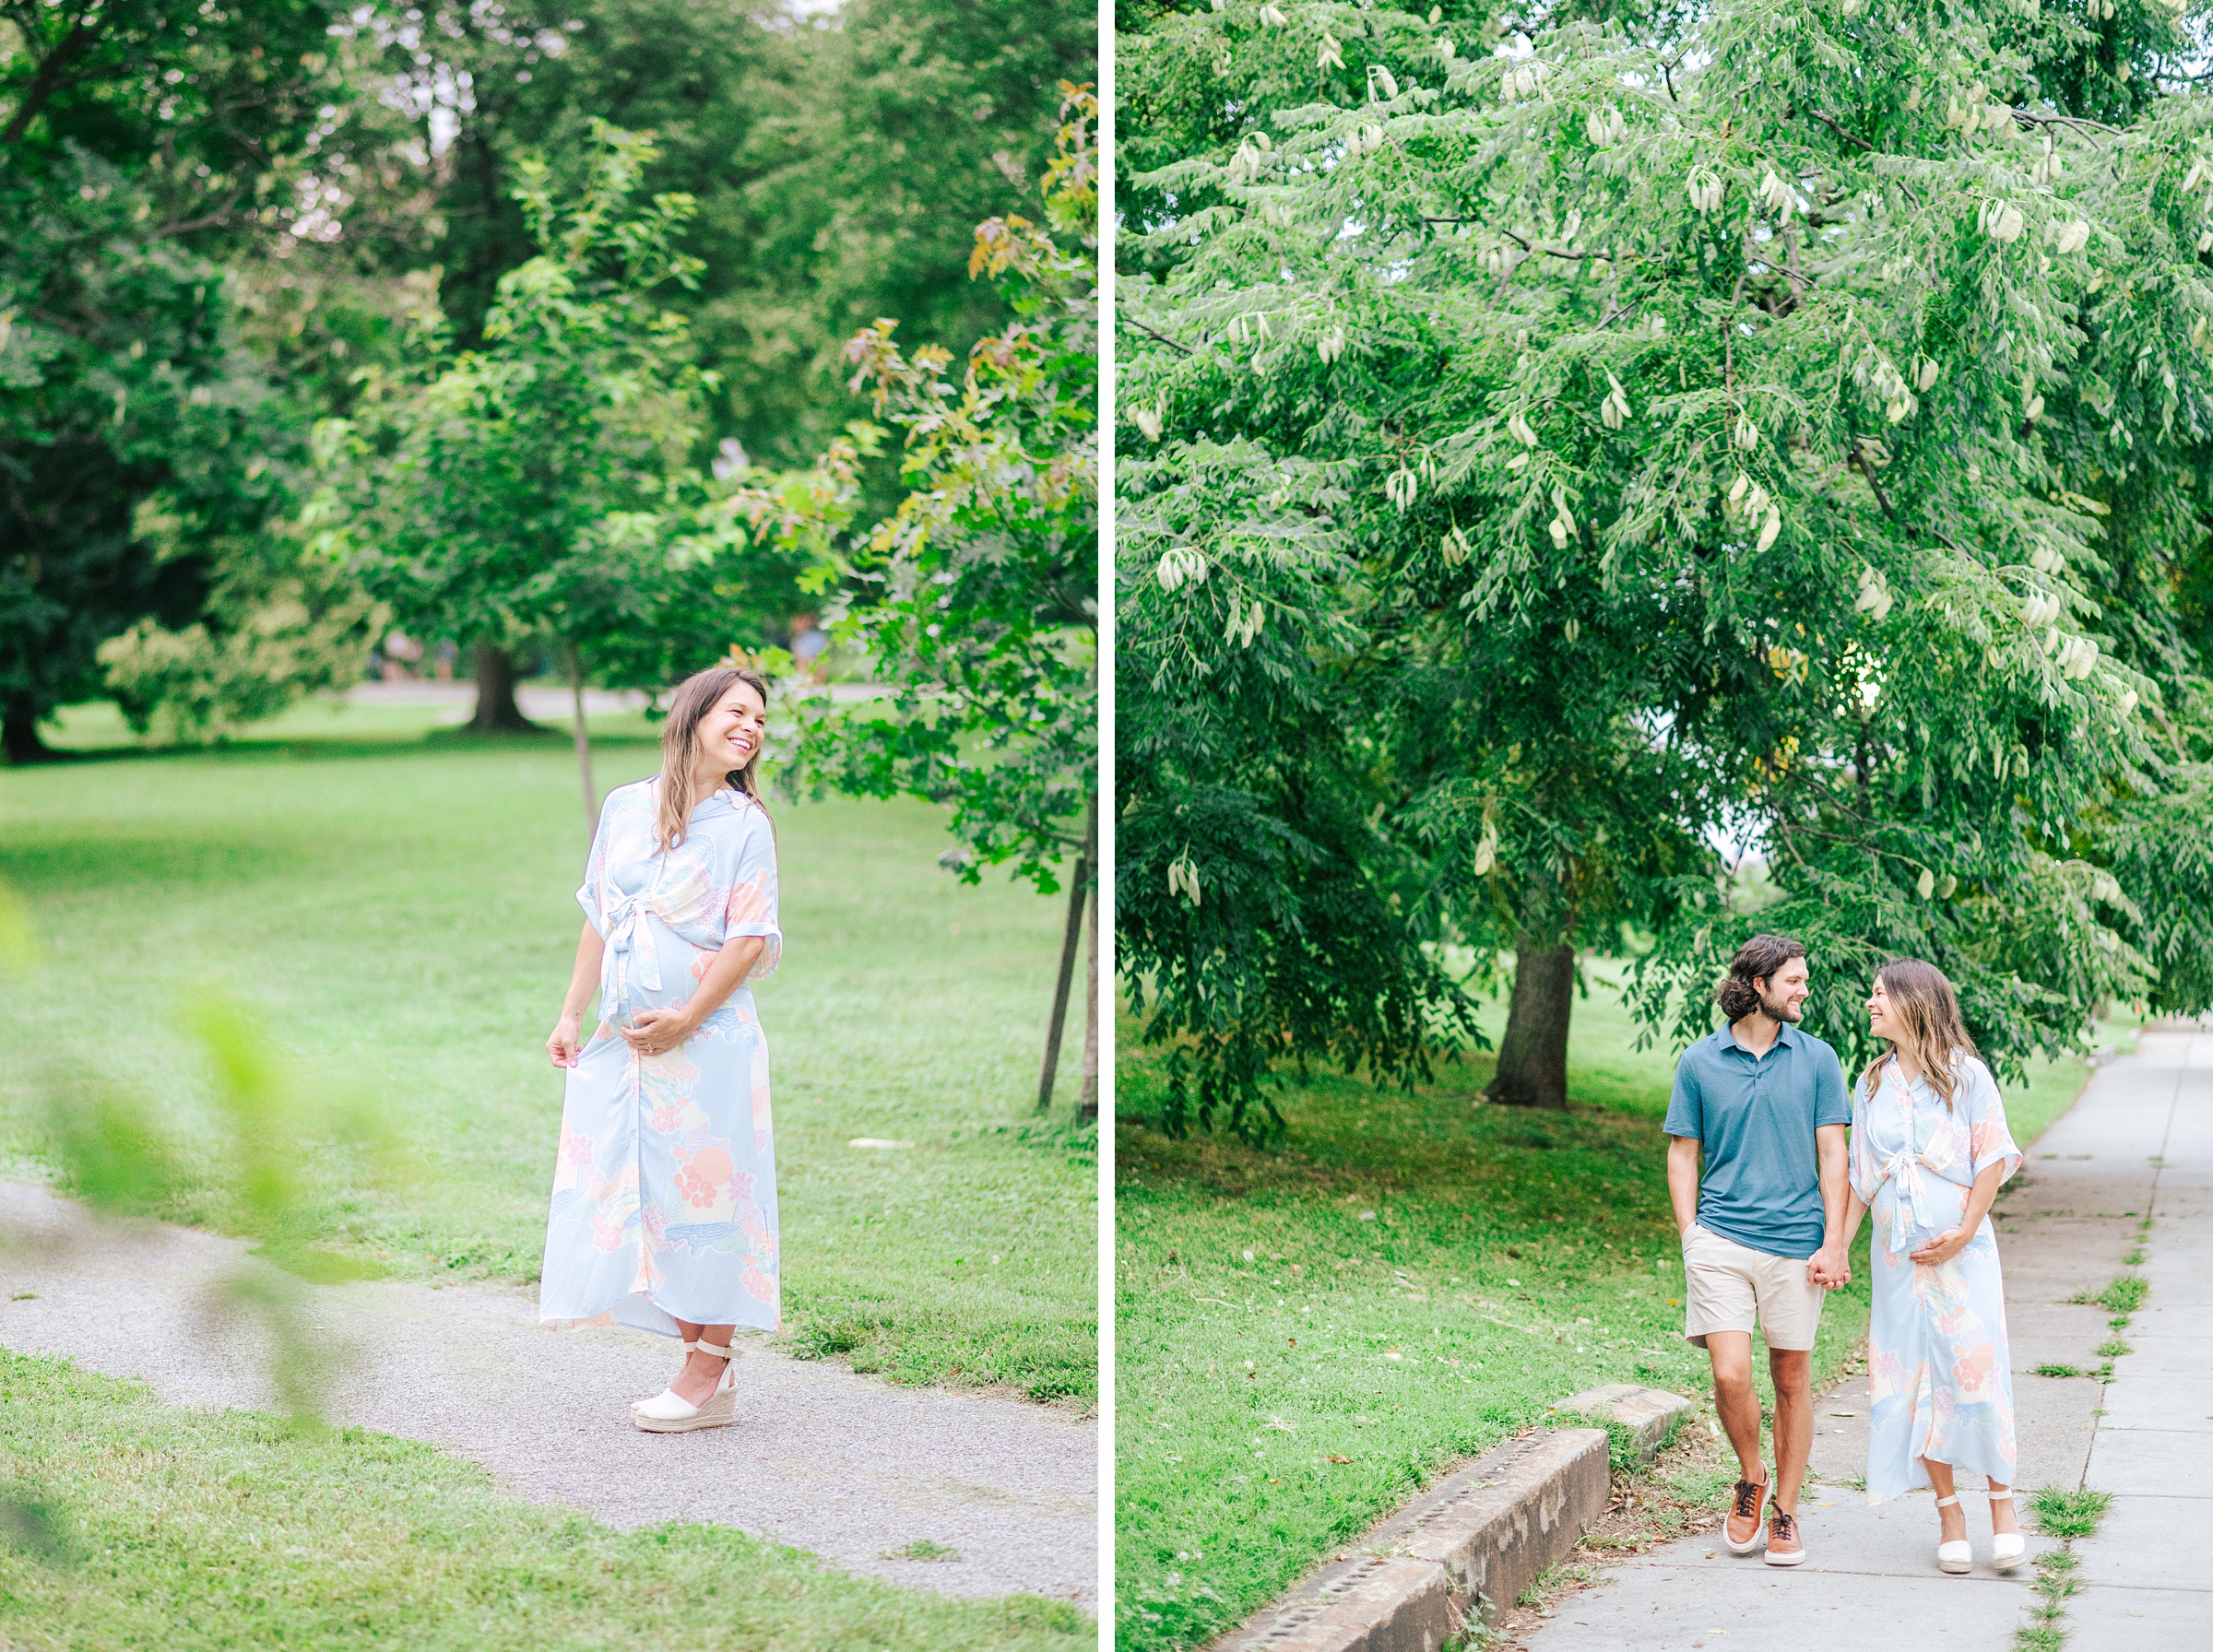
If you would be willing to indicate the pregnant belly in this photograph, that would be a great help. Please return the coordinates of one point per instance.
(1943, 1204)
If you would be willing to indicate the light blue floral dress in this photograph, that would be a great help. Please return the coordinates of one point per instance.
(1940, 1384)
(665, 1194)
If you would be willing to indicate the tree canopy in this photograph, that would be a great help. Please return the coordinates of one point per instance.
(1560, 453)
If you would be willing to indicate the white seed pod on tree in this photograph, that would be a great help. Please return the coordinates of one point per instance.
(1736, 491)
(1777, 196)
(1924, 372)
(1330, 54)
(2192, 177)
(1705, 191)
(2128, 702)
(1925, 885)
(1748, 433)
(1180, 566)
(1455, 547)
(1768, 529)
(1521, 431)
(1400, 487)
(1330, 346)
(1380, 79)
(1149, 420)
(1273, 17)
(2002, 221)
(1615, 410)
(2073, 237)
(1487, 849)
(1244, 623)
(1183, 878)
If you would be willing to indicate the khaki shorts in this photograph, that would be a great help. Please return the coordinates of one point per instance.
(1731, 1287)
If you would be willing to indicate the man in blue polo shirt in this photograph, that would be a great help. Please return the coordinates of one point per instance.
(1763, 1227)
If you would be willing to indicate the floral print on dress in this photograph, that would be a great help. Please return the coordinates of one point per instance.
(664, 1203)
(1940, 1385)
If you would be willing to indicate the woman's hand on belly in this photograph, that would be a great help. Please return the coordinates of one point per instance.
(656, 1031)
(1943, 1248)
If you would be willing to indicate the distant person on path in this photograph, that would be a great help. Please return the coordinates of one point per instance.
(1930, 1149)
(1763, 1226)
(664, 1213)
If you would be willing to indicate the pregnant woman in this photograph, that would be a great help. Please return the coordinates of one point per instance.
(665, 1196)
(1929, 1151)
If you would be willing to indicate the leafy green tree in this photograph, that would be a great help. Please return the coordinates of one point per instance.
(538, 489)
(976, 598)
(143, 147)
(1784, 423)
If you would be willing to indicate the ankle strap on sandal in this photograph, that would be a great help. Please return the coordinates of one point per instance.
(2001, 1496)
(721, 1351)
(1948, 1502)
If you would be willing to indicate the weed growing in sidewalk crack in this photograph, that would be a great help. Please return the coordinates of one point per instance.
(2123, 1295)
(2066, 1516)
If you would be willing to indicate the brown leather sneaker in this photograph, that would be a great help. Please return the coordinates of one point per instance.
(1740, 1531)
(1784, 1548)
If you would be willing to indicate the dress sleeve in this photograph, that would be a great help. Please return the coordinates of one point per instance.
(751, 909)
(1865, 1178)
(1989, 1139)
(592, 895)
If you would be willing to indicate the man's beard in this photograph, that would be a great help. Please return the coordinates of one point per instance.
(1777, 1010)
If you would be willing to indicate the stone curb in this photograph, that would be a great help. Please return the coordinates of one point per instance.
(1478, 1537)
(1652, 1414)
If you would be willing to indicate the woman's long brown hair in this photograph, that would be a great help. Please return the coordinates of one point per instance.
(696, 696)
(1922, 997)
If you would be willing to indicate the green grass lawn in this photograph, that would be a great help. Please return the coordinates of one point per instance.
(396, 905)
(201, 1531)
(1306, 1334)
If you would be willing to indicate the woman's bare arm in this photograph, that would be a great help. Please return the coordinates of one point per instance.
(583, 982)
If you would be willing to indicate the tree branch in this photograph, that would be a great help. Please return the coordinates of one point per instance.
(84, 31)
(1181, 349)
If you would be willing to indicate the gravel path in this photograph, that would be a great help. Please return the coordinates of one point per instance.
(847, 1467)
(2066, 1223)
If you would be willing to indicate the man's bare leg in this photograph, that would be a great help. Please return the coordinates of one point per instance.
(1793, 1372)
(1736, 1401)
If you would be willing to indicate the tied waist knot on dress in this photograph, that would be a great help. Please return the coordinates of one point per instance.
(629, 946)
(1909, 1201)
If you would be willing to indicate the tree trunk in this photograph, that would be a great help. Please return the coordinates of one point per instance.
(496, 710)
(584, 743)
(1532, 1056)
(1079, 887)
(1087, 1099)
(19, 735)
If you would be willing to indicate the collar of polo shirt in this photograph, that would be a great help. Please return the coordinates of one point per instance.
(1785, 1034)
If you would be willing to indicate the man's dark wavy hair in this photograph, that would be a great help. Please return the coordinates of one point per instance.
(1756, 960)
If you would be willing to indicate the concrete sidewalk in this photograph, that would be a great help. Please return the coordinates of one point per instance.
(2149, 1585)
(848, 1467)
(2065, 1225)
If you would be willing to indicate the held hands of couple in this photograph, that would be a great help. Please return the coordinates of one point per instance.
(1829, 1268)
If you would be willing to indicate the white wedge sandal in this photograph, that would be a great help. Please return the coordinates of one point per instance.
(668, 1413)
(2008, 1548)
(1958, 1556)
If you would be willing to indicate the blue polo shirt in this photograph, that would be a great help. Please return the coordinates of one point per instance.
(1756, 1117)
